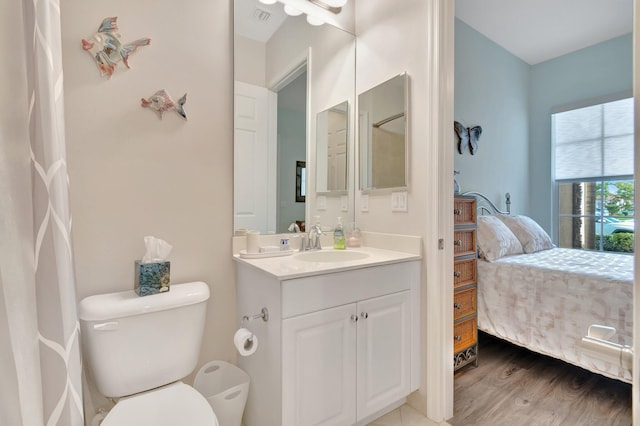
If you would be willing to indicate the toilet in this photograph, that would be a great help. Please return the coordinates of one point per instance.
(139, 348)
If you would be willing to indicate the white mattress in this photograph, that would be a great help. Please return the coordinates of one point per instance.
(546, 301)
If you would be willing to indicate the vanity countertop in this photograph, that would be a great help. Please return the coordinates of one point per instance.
(289, 267)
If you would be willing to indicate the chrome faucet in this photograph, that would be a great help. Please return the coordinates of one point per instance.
(311, 241)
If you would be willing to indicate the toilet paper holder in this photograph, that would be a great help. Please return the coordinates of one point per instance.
(264, 314)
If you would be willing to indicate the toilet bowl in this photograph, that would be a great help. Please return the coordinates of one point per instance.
(171, 405)
(140, 348)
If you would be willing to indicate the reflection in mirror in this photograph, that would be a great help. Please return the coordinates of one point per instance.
(383, 128)
(332, 129)
(301, 181)
(271, 52)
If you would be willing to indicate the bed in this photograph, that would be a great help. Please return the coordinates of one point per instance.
(545, 298)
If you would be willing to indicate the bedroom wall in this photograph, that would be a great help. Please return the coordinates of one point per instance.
(492, 90)
(591, 73)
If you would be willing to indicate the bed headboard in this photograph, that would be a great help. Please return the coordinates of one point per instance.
(485, 205)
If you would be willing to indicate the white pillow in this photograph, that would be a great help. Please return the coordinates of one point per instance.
(531, 235)
(495, 240)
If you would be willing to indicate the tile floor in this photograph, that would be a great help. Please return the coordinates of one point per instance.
(404, 416)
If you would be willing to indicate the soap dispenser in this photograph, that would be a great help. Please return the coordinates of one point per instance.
(338, 236)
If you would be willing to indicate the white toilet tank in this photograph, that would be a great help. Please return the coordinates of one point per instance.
(134, 343)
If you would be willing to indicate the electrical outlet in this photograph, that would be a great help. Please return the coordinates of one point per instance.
(364, 203)
(399, 201)
(321, 202)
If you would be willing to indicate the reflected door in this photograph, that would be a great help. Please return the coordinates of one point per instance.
(337, 151)
(253, 207)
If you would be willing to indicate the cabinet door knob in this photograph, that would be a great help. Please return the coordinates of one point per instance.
(456, 305)
(364, 315)
(354, 318)
(457, 242)
(457, 212)
(457, 338)
(457, 274)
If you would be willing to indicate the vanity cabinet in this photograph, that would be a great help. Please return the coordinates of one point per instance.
(465, 325)
(339, 348)
(353, 358)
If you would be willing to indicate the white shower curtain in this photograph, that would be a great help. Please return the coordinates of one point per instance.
(40, 362)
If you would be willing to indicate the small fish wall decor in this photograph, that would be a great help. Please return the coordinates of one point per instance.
(161, 102)
(467, 136)
(107, 50)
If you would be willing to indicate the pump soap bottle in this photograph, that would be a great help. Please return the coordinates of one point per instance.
(338, 236)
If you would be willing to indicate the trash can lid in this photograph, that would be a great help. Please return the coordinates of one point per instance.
(175, 404)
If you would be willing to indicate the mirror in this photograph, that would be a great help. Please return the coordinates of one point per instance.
(382, 122)
(332, 130)
(287, 74)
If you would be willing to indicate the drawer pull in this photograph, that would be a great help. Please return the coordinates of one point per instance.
(457, 212)
(457, 305)
(457, 274)
(457, 242)
(457, 338)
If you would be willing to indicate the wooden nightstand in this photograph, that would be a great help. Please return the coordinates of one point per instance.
(465, 328)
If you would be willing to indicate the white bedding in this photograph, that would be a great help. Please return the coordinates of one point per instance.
(546, 301)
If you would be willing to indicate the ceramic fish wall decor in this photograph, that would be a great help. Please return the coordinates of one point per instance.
(107, 50)
(467, 136)
(161, 102)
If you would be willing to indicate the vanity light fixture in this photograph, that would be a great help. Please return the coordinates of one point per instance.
(312, 20)
(291, 11)
(333, 6)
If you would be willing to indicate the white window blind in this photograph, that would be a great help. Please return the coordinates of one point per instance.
(595, 141)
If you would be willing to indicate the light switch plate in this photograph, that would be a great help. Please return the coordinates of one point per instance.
(364, 203)
(321, 202)
(399, 201)
(344, 203)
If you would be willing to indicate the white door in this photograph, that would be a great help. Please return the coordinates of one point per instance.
(254, 183)
(337, 151)
(318, 365)
(384, 358)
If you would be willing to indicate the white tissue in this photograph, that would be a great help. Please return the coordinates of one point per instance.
(157, 250)
(245, 341)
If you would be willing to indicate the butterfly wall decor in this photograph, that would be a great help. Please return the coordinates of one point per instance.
(467, 136)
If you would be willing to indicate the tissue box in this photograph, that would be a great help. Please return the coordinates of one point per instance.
(151, 278)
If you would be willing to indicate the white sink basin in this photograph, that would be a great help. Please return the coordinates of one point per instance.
(331, 256)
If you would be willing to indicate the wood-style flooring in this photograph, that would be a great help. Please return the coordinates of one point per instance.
(513, 386)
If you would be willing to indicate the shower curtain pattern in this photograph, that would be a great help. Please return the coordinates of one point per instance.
(58, 328)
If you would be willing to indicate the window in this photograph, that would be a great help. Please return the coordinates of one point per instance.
(594, 176)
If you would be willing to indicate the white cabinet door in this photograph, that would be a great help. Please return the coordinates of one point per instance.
(318, 365)
(384, 358)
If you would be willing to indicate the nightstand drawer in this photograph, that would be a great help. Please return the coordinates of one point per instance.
(464, 242)
(464, 303)
(464, 272)
(464, 334)
(464, 211)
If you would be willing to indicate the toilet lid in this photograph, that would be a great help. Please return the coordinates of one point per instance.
(175, 404)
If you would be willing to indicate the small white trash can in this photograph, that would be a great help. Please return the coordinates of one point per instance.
(226, 387)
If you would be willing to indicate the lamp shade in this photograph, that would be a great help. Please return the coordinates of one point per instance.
(312, 20)
(335, 3)
(291, 11)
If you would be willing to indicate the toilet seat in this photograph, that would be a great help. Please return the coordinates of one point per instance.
(174, 404)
